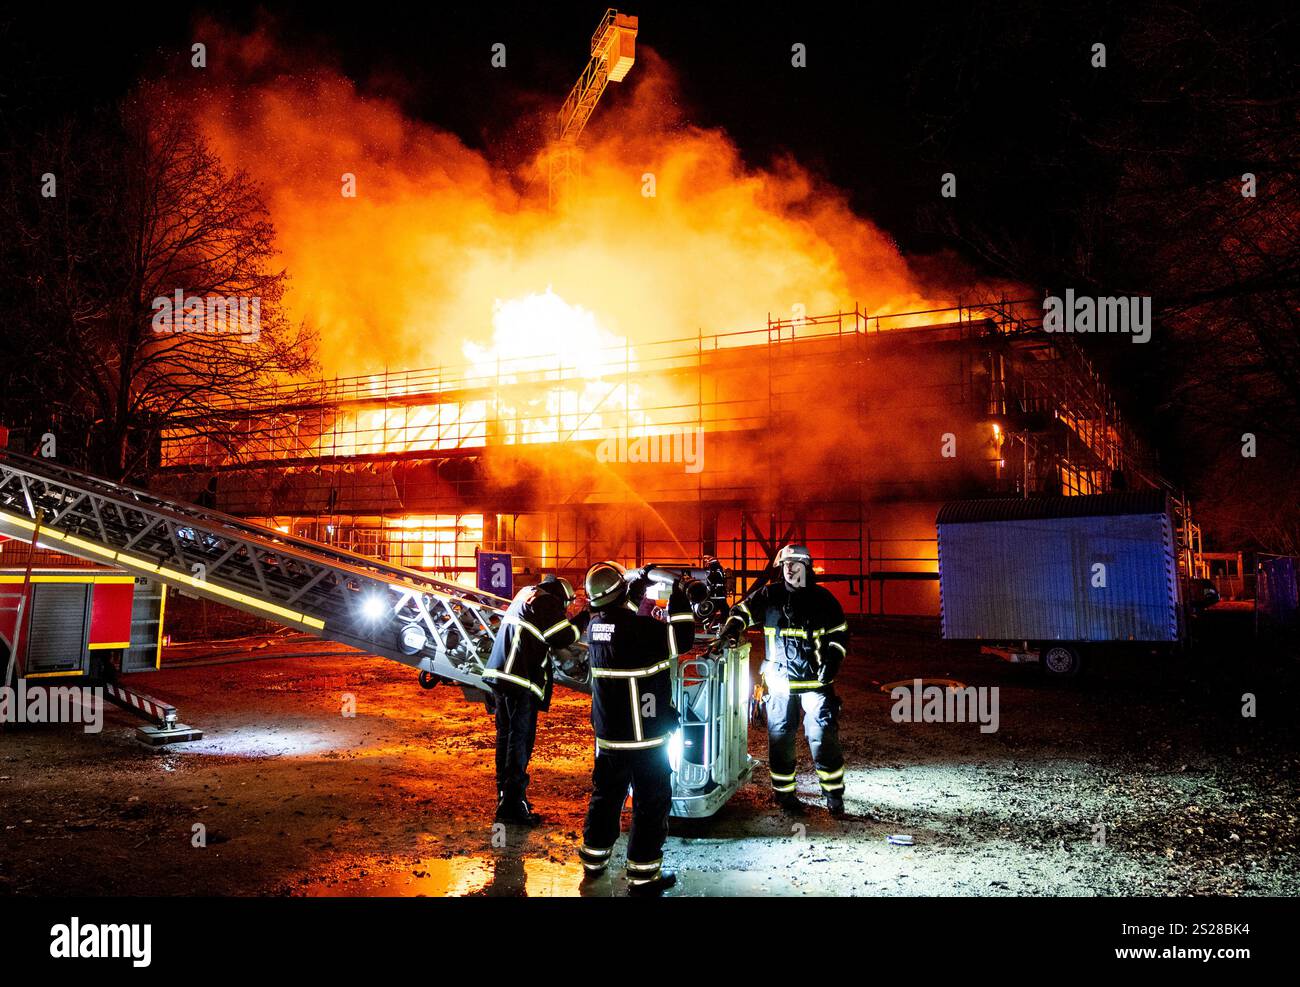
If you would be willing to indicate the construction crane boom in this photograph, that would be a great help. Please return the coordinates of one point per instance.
(613, 52)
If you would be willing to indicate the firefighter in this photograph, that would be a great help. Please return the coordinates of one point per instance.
(519, 672)
(807, 638)
(632, 657)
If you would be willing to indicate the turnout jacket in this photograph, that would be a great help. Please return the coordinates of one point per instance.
(521, 655)
(632, 659)
(806, 634)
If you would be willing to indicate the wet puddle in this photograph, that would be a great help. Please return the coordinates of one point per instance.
(513, 876)
(489, 876)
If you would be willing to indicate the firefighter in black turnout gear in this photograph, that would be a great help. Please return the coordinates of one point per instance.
(632, 657)
(519, 672)
(807, 639)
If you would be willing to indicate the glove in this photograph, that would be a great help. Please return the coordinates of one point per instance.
(828, 670)
(636, 587)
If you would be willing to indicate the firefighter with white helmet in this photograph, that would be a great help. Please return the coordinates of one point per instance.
(631, 657)
(806, 642)
(519, 672)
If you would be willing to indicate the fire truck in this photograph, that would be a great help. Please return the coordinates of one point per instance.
(82, 621)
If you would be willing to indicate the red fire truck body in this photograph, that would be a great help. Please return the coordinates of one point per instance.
(72, 615)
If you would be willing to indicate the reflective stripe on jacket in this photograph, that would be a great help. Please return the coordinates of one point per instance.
(631, 679)
(521, 655)
(805, 632)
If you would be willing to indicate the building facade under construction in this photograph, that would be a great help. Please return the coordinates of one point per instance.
(843, 432)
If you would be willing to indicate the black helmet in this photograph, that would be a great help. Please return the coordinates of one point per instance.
(560, 587)
(605, 584)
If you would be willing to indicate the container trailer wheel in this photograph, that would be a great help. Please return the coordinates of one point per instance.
(1062, 661)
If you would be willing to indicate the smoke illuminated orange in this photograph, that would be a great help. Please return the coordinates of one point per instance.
(437, 238)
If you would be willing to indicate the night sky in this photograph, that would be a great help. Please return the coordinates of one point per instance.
(861, 113)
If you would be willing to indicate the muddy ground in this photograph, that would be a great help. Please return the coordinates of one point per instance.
(295, 798)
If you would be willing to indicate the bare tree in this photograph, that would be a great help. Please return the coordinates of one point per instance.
(145, 215)
(1133, 175)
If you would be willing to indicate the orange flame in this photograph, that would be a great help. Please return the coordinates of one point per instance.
(671, 231)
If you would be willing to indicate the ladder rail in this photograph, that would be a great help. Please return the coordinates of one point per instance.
(376, 607)
(249, 529)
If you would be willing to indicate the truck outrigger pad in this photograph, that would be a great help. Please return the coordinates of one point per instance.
(164, 727)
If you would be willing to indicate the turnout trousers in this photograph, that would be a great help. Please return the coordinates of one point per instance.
(516, 733)
(651, 780)
(821, 715)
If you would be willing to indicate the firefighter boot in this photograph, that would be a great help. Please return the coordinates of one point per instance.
(517, 811)
(595, 862)
(835, 803)
(789, 803)
(653, 887)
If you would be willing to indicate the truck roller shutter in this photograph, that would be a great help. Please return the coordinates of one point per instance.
(56, 635)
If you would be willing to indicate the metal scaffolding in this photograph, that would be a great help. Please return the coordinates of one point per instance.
(844, 430)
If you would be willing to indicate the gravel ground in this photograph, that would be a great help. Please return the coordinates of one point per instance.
(295, 798)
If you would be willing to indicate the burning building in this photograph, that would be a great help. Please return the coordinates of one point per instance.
(844, 432)
(591, 427)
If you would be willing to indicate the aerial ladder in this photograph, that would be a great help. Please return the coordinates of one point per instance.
(443, 630)
(613, 51)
